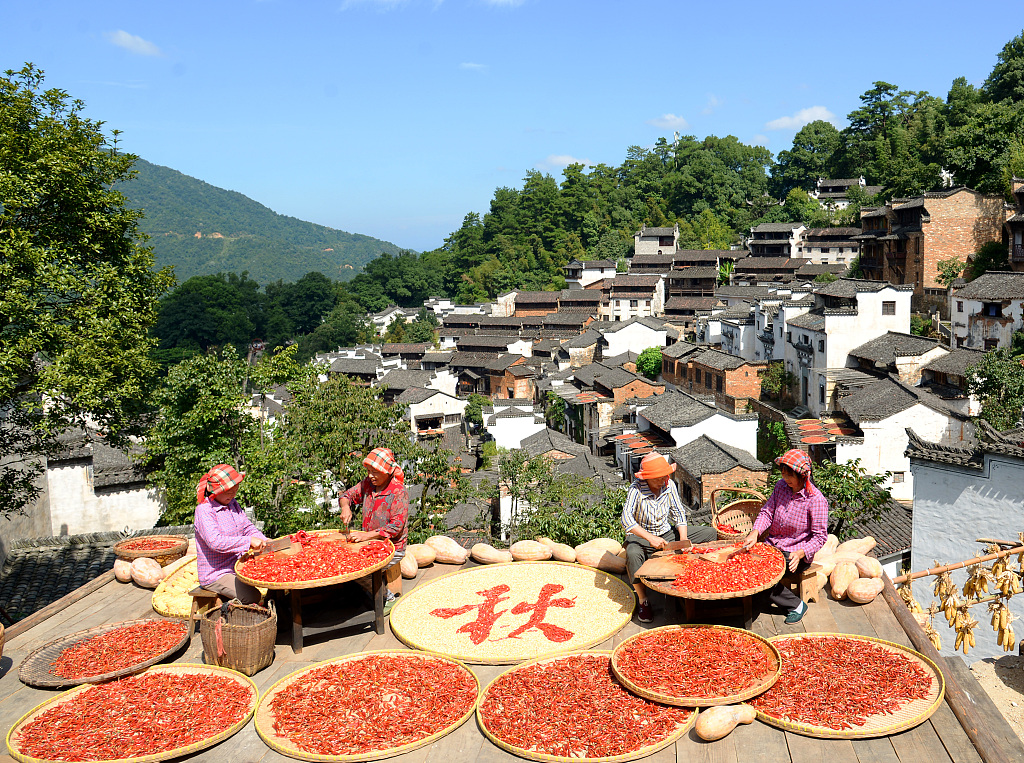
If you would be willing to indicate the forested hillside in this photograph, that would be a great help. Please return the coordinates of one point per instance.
(237, 233)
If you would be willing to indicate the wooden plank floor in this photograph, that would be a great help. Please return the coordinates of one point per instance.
(940, 740)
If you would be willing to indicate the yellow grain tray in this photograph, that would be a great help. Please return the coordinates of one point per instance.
(384, 706)
(501, 614)
(170, 598)
(905, 717)
(244, 684)
(561, 690)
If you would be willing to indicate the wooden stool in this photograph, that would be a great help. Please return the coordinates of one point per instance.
(804, 583)
(201, 599)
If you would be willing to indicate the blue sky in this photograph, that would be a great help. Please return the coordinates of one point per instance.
(395, 118)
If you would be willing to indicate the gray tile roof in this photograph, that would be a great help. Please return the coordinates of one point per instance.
(745, 292)
(884, 350)
(547, 440)
(536, 297)
(707, 456)
(776, 227)
(111, 466)
(572, 318)
(811, 321)
(472, 359)
(586, 339)
(956, 362)
(850, 287)
(614, 378)
(993, 285)
(887, 397)
(676, 409)
(648, 281)
(402, 379)
(721, 361)
(679, 350)
(611, 327)
(645, 231)
(499, 343)
(698, 271)
(354, 367)
(691, 303)
(414, 395)
(761, 264)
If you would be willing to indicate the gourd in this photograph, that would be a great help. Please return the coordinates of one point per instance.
(821, 578)
(599, 558)
(147, 572)
(422, 553)
(716, 722)
(487, 554)
(827, 561)
(605, 544)
(123, 570)
(844, 574)
(447, 550)
(857, 545)
(560, 551)
(831, 544)
(408, 567)
(864, 590)
(530, 551)
(869, 567)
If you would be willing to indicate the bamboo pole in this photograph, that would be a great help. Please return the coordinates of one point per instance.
(958, 565)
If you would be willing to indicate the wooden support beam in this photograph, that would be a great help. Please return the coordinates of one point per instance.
(991, 747)
(957, 565)
(54, 607)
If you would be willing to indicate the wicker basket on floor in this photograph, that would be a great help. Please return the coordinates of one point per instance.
(248, 633)
(739, 514)
(164, 556)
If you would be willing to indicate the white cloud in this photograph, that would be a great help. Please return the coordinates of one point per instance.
(473, 67)
(761, 140)
(713, 103)
(801, 118)
(669, 122)
(561, 161)
(133, 43)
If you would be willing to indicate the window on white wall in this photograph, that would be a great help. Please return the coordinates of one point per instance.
(888, 308)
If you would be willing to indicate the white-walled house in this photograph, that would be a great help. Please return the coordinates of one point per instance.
(509, 422)
(634, 296)
(432, 411)
(656, 240)
(986, 312)
(683, 418)
(634, 335)
(579, 275)
(738, 332)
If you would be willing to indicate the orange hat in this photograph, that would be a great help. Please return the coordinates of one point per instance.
(654, 465)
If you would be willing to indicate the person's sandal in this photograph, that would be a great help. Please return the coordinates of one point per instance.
(389, 605)
(797, 614)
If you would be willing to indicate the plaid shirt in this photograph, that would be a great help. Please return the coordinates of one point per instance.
(223, 534)
(386, 511)
(652, 512)
(795, 520)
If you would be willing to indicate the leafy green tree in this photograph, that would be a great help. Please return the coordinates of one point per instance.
(1006, 82)
(825, 278)
(775, 379)
(949, 271)
(473, 410)
(212, 311)
(648, 362)
(853, 494)
(78, 291)
(998, 383)
(920, 326)
(555, 413)
(812, 157)
(725, 271)
(991, 256)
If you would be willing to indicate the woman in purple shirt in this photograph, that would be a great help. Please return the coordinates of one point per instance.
(223, 534)
(795, 519)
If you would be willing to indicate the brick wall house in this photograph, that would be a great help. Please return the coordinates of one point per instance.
(732, 380)
(705, 465)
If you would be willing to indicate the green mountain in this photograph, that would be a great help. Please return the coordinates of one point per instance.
(201, 229)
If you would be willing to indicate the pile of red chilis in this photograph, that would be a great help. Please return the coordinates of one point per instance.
(318, 559)
(118, 649)
(377, 702)
(838, 683)
(742, 572)
(141, 715)
(148, 544)
(727, 529)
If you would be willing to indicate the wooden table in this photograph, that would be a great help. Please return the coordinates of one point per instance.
(296, 597)
(745, 608)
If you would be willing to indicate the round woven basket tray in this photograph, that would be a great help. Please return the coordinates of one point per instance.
(668, 588)
(881, 724)
(243, 682)
(35, 670)
(265, 717)
(753, 690)
(447, 615)
(522, 752)
(318, 582)
(163, 556)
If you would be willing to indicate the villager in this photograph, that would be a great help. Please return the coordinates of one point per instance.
(795, 521)
(651, 511)
(223, 534)
(385, 504)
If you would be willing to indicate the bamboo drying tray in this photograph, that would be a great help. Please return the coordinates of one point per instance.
(35, 670)
(739, 514)
(602, 605)
(317, 582)
(170, 598)
(668, 588)
(202, 744)
(547, 758)
(758, 687)
(910, 715)
(264, 719)
(163, 556)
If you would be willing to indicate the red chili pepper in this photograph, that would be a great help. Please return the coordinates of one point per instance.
(740, 573)
(727, 529)
(318, 559)
(118, 649)
(148, 544)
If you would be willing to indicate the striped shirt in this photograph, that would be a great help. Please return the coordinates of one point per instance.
(657, 514)
(223, 534)
(795, 520)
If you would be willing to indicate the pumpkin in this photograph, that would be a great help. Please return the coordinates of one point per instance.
(844, 574)
(869, 567)
(716, 722)
(831, 544)
(447, 550)
(821, 578)
(857, 545)
(864, 590)
(605, 544)
(147, 572)
(846, 556)
(422, 553)
(599, 558)
(409, 567)
(530, 551)
(559, 551)
(487, 554)
(123, 570)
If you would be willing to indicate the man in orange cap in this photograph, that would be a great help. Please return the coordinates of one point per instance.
(651, 510)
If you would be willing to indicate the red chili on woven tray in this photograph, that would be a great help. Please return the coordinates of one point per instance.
(118, 649)
(141, 715)
(573, 707)
(376, 702)
(148, 544)
(742, 572)
(695, 662)
(318, 559)
(839, 683)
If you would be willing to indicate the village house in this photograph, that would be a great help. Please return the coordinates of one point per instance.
(732, 380)
(399, 380)
(685, 312)
(580, 275)
(894, 353)
(705, 465)
(510, 378)
(656, 240)
(775, 239)
(509, 422)
(584, 349)
(675, 362)
(946, 376)
(834, 193)
(824, 246)
(381, 321)
(736, 326)
(471, 370)
(697, 281)
(586, 301)
(682, 418)
(634, 297)
(766, 270)
(431, 412)
(636, 334)
(1013, 228)
(410, 354)
(495, 343)
(646, 264)
(987, 311)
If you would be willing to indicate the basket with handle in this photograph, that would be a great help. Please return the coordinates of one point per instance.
(739, 514)
(239, 636)
(176, 547)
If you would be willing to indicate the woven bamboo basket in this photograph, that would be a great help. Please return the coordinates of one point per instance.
(164, 556)
(739, 514)
(317, 582)
(668, 588)
(248, 633)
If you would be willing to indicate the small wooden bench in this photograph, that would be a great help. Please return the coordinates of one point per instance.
(201, 600)
(804, 584)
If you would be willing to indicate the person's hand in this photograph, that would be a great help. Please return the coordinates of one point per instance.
(794, 559)
(749, 541)
(346, 513)
(257, 544)
(358, 536)
(658, 542)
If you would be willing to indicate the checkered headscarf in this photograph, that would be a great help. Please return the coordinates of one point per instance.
(220, 478)
(796, 460)
(383, 460)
